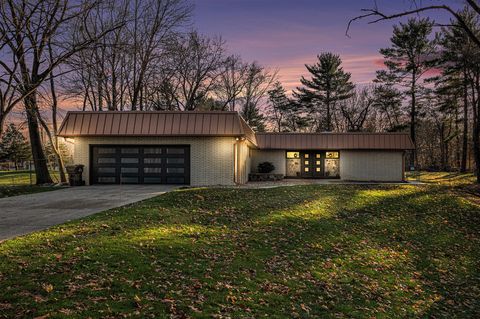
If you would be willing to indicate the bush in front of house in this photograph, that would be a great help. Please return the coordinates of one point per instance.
(266, 167)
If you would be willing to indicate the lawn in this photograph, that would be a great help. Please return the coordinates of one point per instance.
(14, 183)
(318, 251)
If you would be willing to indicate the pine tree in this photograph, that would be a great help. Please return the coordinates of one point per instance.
(284, 112)
(14, 146)
(407, 60)
(253, 117)
(329, 84)
(460, 61)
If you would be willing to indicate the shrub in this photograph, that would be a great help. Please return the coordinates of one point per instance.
(265, 167)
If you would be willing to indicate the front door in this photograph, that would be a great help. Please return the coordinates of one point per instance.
(311, 164)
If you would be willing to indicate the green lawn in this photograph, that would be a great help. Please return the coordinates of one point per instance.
(14, 183)
(329, 251)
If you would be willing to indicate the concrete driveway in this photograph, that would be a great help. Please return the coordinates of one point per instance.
(23, 214)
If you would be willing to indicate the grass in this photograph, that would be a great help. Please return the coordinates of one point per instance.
(444, 178)
(13, 183)
(323, 251)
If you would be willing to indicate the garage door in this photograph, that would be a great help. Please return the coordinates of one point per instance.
(152, 164)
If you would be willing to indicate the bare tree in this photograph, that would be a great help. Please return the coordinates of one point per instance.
(356, 109)
(198, 61)
(231, 83)
(153, 23)
(26, 28)
(375, 14)
(258, 81)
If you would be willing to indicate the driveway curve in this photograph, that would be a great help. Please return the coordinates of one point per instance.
(24, 214)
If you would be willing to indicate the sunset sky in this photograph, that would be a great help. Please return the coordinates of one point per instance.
(286, 34)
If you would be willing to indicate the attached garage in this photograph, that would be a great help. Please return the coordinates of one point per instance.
(134, 164)
(184, 148)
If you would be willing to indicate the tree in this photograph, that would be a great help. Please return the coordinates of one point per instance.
(14, 146)
(124, 70)
(378, 15)
(253, 117)
(257, 82)
(284, 112)
(387, 100)
(407, 60)
(26, 29)
(460, 61)
(231, 82)
(356, 109)
(197, 62)
(328, 85)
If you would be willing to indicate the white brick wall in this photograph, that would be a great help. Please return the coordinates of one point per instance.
(277, 158)
(371, 166)
(211, 158)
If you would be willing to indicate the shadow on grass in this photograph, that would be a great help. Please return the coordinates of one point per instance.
(308, 251)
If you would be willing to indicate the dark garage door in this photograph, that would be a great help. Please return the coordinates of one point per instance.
(152, 164)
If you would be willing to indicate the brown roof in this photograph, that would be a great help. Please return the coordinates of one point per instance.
(334, 141)
(174, 123)
(215, 123)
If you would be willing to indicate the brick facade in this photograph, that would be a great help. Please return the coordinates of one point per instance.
(212, 158)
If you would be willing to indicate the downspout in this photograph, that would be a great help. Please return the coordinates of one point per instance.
(235, 161)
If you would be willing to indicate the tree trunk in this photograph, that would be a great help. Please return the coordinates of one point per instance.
(413, 154)
(463, 164)
(41, 169)
(476, 149)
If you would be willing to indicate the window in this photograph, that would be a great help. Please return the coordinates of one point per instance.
(152, 150)
(129, 179)
(152, 160)
(106, 160)
(175, 160)
(306, 169)
(175, 151)
(293, 154)
(152, 169)
(106, 170)
(318, 169)
(175, 170)
(317, 155)
(332, 155)
(106, 151)
(307, 162)
(106, 179)
(129, 160)
(152, 180)
(317, 162)
(129, 150)
(306, 155)
(130, 170)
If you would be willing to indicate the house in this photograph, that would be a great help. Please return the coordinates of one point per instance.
(219, 148)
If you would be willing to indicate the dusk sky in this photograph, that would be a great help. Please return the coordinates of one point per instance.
(286, 34)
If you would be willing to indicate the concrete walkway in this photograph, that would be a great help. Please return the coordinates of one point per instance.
(297, 182)
(24, 214)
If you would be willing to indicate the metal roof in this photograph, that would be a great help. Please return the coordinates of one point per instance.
(335, 141)
(162, 123)
(217, 123)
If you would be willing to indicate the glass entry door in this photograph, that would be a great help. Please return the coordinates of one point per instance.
(311, 164)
